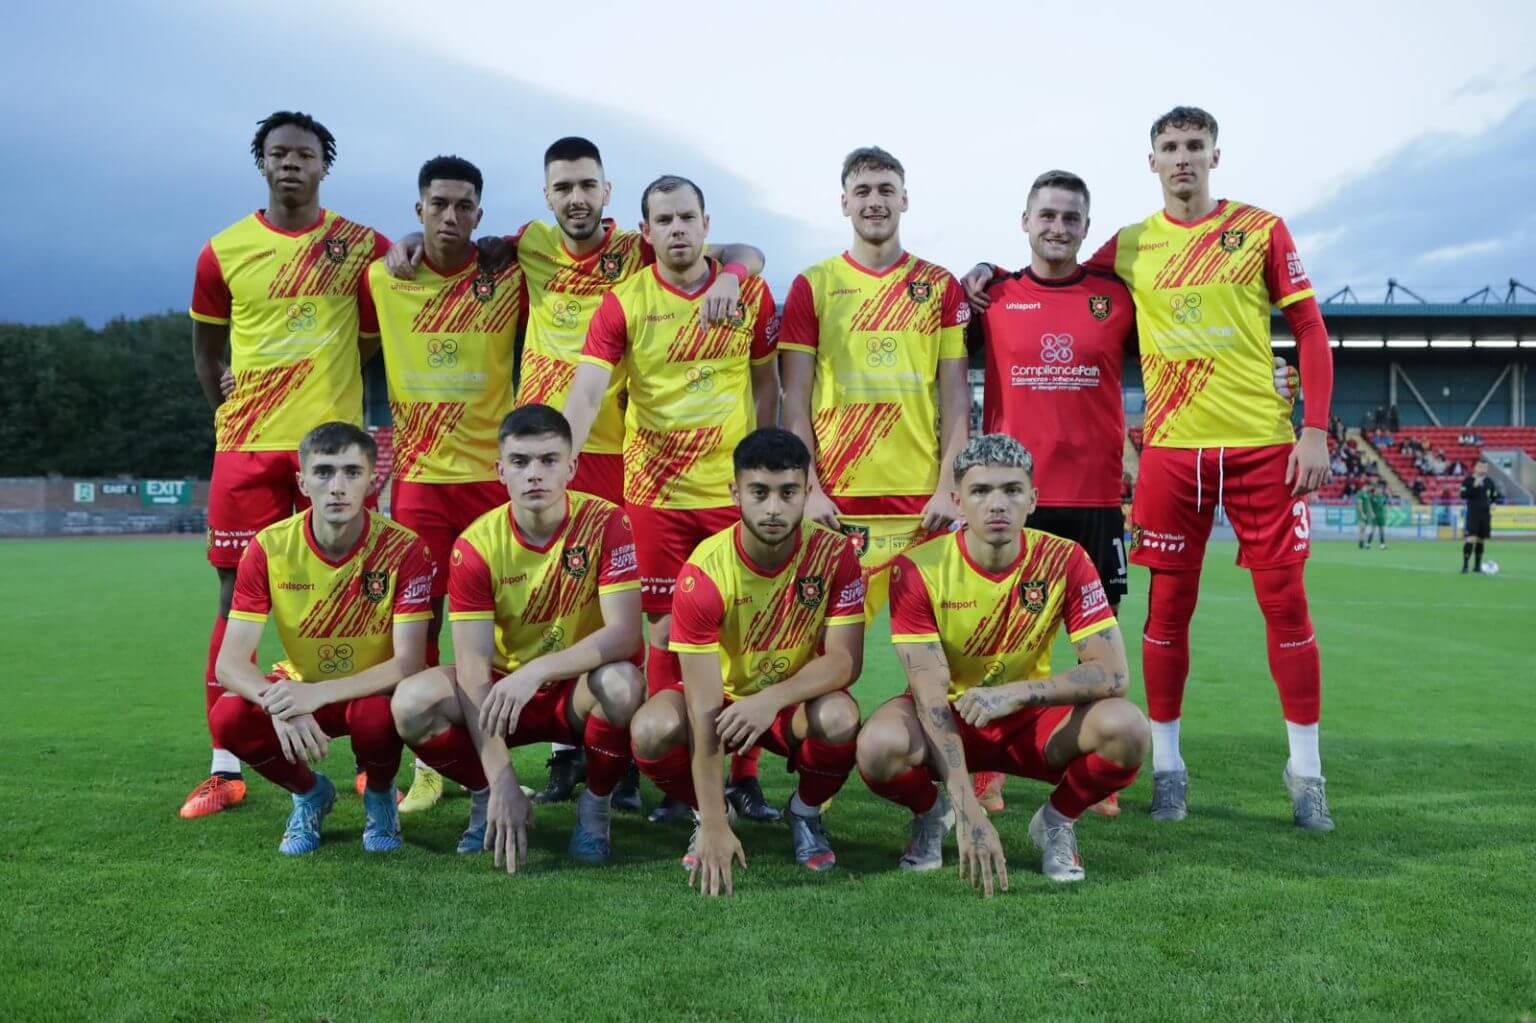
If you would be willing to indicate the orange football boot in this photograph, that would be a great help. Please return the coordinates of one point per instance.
(1109, 806)
(213, 795)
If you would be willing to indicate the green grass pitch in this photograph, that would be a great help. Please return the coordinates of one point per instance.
(1419, 907)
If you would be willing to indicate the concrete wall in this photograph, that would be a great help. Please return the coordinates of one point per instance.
(36, 506)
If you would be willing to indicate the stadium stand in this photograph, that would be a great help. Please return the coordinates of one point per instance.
(1414, 452)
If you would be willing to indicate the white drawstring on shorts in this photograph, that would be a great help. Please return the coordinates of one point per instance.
(1221, 477)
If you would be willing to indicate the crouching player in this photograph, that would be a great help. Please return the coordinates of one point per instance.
(544, 600)
(768, 621)
(351, 592)
(973, 615)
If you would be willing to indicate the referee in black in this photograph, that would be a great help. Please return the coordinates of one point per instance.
(1480, 494)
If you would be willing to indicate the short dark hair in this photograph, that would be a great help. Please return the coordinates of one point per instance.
(1184, 117)
(333, 438)
(773, 450)
(572, 147)
(1065, 180)
(534, 421)
(871, 158)
(450, 168)
(265, 126)
(667, 183)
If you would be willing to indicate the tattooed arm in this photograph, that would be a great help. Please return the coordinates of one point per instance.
(981, 851)
(1101, 673)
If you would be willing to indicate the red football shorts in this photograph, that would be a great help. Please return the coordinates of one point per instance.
(1177, 492)
(547, 717)
(600, 475)
(1014, 744)
(250, 491)
(664, 538)
(780, 736)
(439, 512)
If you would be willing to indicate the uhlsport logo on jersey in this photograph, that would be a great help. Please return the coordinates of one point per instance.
(1233, 240)
(1032, 594)
(810, 590)
(1056, 348)
(1098, 306)
(858, 536)
(336, 250)
(574, 561)
(375, 586)
(919, 291)
(610, 265)
(485, 287)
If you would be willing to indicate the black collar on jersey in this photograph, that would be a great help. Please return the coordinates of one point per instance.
(1062, 282)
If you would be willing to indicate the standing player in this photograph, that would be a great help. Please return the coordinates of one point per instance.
(1379, 501)
(544, 600)
(971, 613)
(1481, 495)
(278, 292)
(865, 336)
(448, 339)
(768, 619)
(695, 391)
(1055, 338)
(351, 595)
(568, 267)
(1364, 515)
(1204, 274)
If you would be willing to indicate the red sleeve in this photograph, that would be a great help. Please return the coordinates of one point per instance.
(955, 310)
(765, 330)
(469, 581)
(253, 591)
(413, 593)
(1306, 322)
(697, 608)
(367, 312)
(848, 585)
(1284, 275)
(799, 325)
(1104, 260)
(210, 292)
(1086, 604)
(619, 564)
(911, 610)
(608, 333)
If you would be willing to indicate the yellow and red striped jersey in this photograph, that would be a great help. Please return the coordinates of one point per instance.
(878, 339)
(291, 301)
(448, 340)
(564, 292)
(541, 598)
(1203, 291)
(690, 388)
(996, 627)
(335, 618)
(766, 625)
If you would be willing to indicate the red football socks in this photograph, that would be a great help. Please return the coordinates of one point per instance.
(673, 774)
(1293, 657)
(744, 765)
(1088, 780)
(1165, 641)
(452, 754)
(608, 756)
(913, 788)
(823, 767)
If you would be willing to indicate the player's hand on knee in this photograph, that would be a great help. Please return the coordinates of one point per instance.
(742, 723)
(718, 849)
(981, 853)
(508, 816)
(820, 509)
(505, 703)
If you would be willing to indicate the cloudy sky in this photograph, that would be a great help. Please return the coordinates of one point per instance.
(1396, 144)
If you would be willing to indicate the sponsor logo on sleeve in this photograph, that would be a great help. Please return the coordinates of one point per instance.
(1093, 597)
(1293, 267)
(853, 593)
(963, 314)
(417, 589)
(622, 558)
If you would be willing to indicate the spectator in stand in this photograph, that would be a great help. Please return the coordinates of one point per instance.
(1417, 486)
(1336, 429)
(1456, 469)
(1367, 423)
(1393, 422)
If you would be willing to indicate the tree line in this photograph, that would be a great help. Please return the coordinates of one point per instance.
(121, 400)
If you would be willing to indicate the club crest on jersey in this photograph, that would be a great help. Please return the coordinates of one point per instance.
(485, 287)
(809, 590)
(1032, 593)
(859, 537)
(1098, 306)
(1233, 240)
(919, 291)
(336, 250)
(574, 561)
(610, 265)
(375, 586)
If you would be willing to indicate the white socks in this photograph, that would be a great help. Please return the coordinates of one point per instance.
(558, 747)
(224, 761)
(1165, 747)
(593, 811)
(799, 809)
(1054, 818)
(1306, 761)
